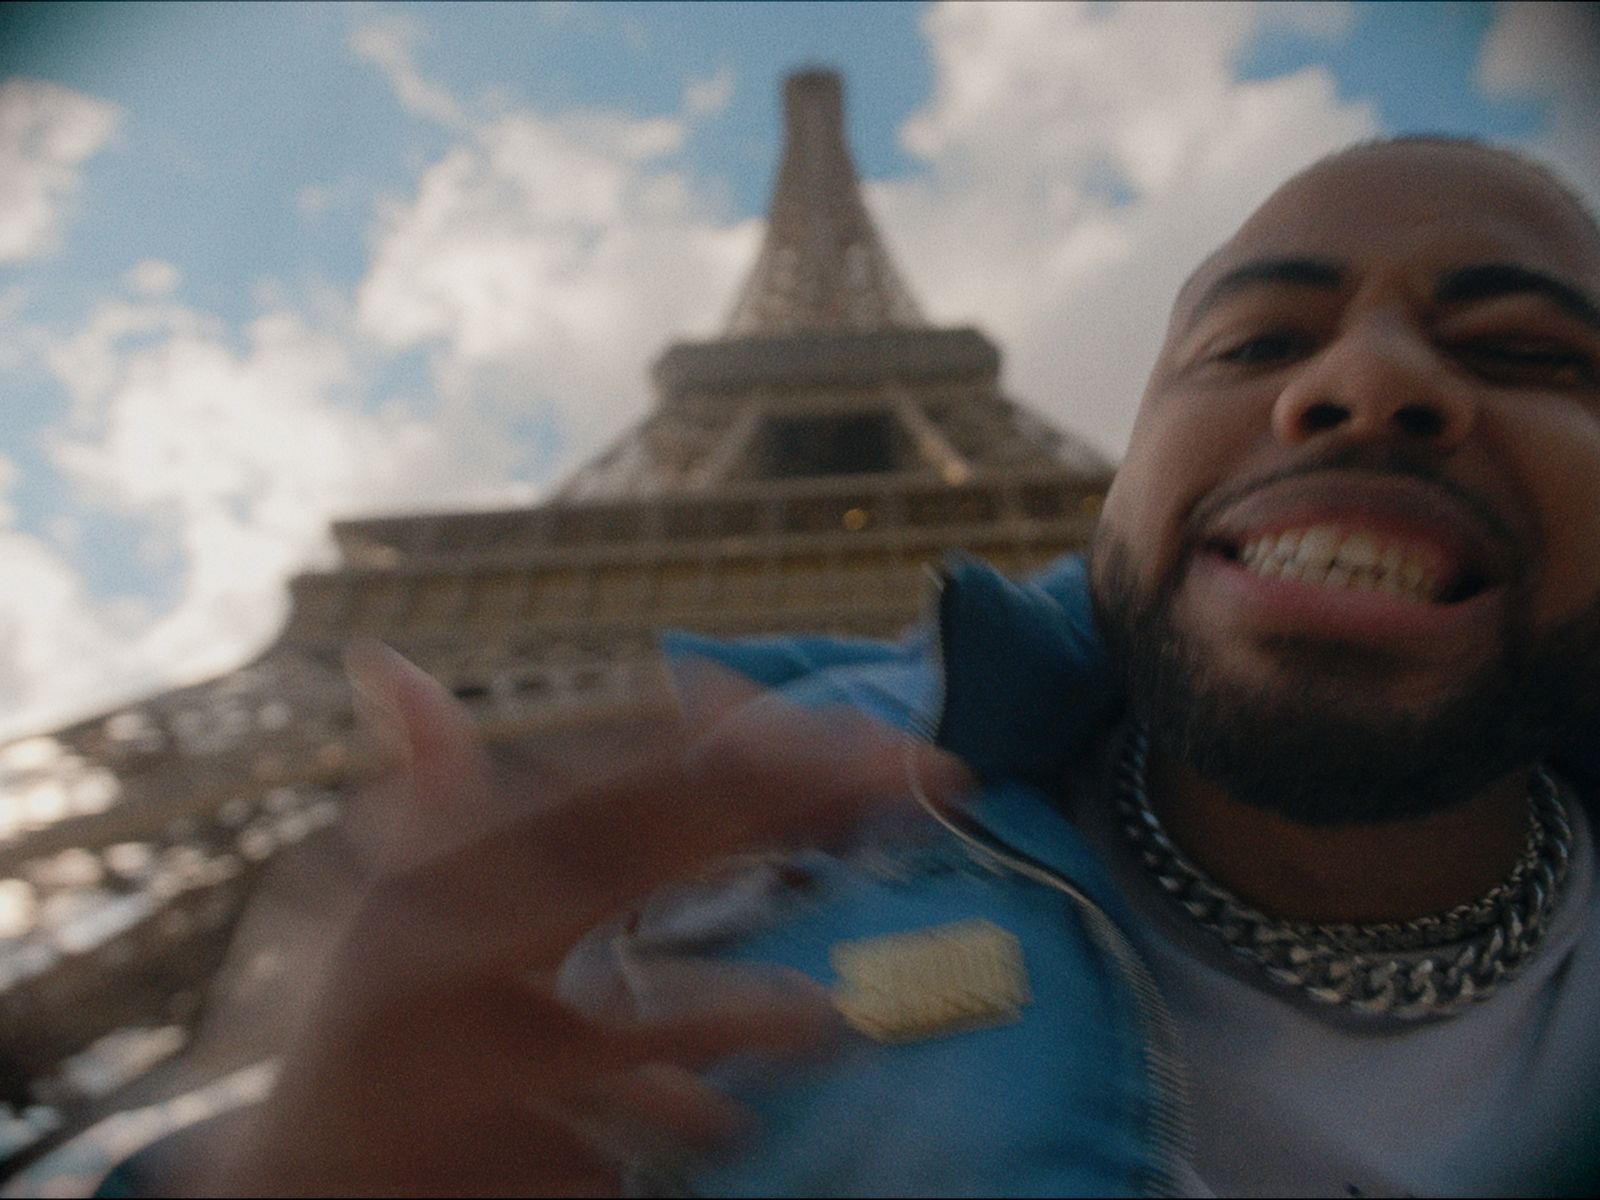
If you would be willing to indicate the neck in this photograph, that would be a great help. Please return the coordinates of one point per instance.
(1394, 871)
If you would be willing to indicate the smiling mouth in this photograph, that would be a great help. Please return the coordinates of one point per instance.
(1349, 558)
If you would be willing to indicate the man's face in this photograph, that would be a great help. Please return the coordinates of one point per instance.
(1359, 518)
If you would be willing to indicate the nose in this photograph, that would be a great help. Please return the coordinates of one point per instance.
(1378, 381)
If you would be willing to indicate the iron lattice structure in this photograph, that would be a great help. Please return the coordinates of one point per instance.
(822, 268)
(797, 473)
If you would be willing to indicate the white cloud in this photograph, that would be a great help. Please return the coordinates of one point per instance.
(546, 259)
(1080, 161)
(88, 362)
(52, 643)
(708, 96)
(8, 480)
(47, 132)
(244, 453)
(233, 458)
(553, 258)
(1552, 52)
(389, 41)
(153, 277)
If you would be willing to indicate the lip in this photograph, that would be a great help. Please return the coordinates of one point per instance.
(1476, 553)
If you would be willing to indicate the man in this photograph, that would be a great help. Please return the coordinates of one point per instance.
(1309, 910)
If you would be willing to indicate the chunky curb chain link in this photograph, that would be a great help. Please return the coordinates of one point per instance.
(1449, 959)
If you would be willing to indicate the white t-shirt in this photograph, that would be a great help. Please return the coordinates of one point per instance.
(1294, 1098)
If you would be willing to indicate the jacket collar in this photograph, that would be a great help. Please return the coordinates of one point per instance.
(1027, 690)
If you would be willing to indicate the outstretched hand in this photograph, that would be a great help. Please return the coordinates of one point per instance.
(435, 1056)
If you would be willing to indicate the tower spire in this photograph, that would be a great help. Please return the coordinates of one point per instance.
(822, 267)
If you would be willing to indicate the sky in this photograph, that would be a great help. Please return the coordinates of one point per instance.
(265, 265)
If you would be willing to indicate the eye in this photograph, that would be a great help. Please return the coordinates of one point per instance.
(1265, 349)
(1534, 361)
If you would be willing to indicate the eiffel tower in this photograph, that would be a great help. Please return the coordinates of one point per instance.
(797, 473)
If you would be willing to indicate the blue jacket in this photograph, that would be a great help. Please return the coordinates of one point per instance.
(1083, 1093)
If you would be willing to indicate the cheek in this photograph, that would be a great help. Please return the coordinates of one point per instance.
(1181, 449)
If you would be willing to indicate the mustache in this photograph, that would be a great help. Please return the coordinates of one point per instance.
(1397, 460)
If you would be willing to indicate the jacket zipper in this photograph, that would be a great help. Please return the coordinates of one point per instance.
(1168, 1118)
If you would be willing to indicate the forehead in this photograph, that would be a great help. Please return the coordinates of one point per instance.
(1415, 206)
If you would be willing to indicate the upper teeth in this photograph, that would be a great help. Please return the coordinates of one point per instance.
(1336, 557)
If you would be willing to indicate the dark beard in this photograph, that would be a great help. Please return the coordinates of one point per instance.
(1323, 751)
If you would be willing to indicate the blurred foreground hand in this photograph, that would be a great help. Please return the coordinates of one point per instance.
(435, 1057)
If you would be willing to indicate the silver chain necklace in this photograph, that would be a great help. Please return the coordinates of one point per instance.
(1431, 966)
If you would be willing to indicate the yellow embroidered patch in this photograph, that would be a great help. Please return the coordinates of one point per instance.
(930, 982)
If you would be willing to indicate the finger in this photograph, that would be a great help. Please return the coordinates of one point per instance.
(381, 740)
(444, 796)
(807, 782)
(831, 747)
(439, 731)
(658, 1111)
(382, 776)
(540, 766)
(707, 693)
(792, 1029)
(512, 1026)
(540, 882)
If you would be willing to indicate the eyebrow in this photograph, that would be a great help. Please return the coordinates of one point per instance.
(1298, 272)
(1489, 281)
